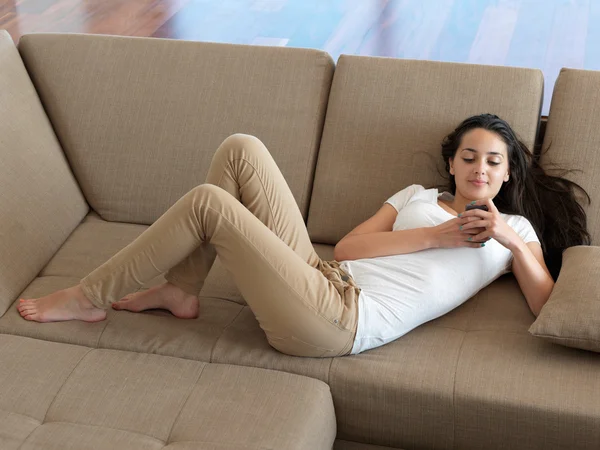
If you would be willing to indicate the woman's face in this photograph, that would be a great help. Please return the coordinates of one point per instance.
(480, 165)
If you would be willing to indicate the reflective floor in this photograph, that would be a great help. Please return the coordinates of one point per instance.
(544, 34)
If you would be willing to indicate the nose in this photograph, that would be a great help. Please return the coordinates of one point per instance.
(480, 168)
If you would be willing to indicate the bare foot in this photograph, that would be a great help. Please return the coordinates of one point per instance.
(166, 296)
(67, 304)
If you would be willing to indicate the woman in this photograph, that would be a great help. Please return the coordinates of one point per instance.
(420, 256)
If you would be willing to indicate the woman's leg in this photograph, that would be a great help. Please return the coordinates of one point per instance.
(299, 309)
(242, 166)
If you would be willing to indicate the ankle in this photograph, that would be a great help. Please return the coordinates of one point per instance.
(178, 290)
(84, 301)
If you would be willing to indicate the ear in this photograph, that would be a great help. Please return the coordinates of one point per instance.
(506, 177)
(451, 161)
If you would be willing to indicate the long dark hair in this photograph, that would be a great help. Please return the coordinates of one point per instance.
(549, 202)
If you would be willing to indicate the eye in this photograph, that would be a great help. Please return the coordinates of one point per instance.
(491, 163)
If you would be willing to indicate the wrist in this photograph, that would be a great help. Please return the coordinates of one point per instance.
(517, 247)
(430, 237)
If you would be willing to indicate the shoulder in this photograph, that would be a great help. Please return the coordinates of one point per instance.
(401, 198)
(522, 226)
(516, 219)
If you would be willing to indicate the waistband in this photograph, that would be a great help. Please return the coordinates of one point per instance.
(348, 290)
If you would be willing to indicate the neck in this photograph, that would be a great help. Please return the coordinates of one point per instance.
(460, 203)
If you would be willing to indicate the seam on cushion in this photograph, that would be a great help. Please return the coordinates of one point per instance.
(454, 392)
(65, 382)
(108, 428)
(212, 350)
(102, 334)
(329, 371)
(30, 433)
(465, 332)
(562, 339)
(519, 333)
(184, 404)
(326, 85)
(246, 447)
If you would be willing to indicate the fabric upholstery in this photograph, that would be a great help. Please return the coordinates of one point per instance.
(415, 394)
(140, 118)
(109, 399)
(513, 390)
(153, 331)
(571, 316)
(348, 445)
(41, 203)
(474, 378)
(386, 120)
(572, 136)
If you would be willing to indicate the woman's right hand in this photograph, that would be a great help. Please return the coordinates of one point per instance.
(449, 234)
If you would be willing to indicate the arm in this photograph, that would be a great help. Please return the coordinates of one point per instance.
(375, 237)
(533, 276)
(382, 243)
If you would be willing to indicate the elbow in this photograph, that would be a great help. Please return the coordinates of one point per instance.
(541, 301)
(339, 254)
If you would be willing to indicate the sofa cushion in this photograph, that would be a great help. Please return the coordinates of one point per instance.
(516, 391)
(474, 378)
(140, 118)
(153, 331)
(40, 204)
(573, 136)
(112, 399)
(385, 123)
(571, 316)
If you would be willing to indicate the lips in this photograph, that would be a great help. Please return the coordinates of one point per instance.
(478, 182)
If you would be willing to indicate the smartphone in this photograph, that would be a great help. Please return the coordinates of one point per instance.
(482, 207)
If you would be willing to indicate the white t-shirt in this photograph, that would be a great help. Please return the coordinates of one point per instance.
(401, 292)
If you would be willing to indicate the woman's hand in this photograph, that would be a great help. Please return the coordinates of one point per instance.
(449, 235)
(492, 222)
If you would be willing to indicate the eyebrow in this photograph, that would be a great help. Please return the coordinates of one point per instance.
(489, 153)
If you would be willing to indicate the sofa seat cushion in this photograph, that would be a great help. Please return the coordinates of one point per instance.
(113, 399)
(472, 379)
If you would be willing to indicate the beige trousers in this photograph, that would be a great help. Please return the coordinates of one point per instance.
(245, 213)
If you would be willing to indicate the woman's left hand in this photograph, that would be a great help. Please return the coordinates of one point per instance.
(495, 226)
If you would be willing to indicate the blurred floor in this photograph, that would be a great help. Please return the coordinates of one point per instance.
(544, 34)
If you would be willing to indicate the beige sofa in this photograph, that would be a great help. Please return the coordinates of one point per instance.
(99, 135)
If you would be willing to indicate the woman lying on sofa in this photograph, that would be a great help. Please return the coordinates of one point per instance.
(421, 255)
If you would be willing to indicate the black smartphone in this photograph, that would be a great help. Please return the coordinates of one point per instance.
(482, 207)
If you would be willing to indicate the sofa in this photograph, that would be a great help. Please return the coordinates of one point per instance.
(100, 135)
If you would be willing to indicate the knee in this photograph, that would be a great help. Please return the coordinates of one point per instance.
(201, 193)
(238, 144)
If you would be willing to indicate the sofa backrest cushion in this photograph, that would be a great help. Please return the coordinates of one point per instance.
(40, 202)
(385, 122)
(572, 139)
(140, 118)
